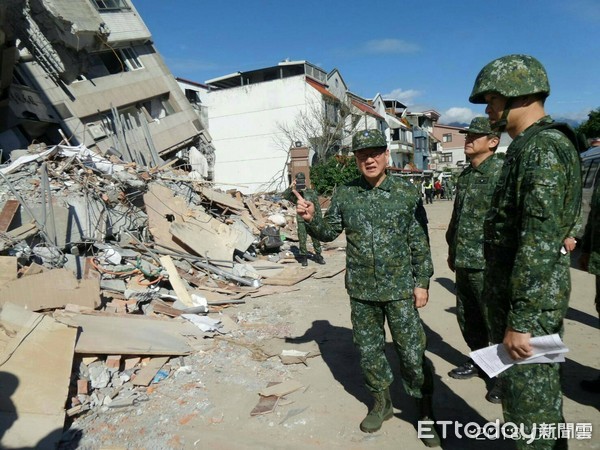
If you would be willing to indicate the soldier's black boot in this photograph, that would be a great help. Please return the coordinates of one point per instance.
(319, 259)
(303, 260)
(466, 371)
(382, 410)
(425, 408)
(495, 393)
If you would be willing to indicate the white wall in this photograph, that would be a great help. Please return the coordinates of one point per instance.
(251, 154)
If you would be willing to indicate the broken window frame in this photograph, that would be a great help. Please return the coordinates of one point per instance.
(110, 5)
(114, 61)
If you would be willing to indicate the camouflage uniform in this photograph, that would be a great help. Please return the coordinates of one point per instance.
(591, 238)
(535, 206)
(527, 283)
(474, 188)
(387, 256)
(311, 196)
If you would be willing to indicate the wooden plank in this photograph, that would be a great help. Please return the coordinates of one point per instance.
(222, 199)
(145, 376)
(182, 294)
(8, 269)
(329, 272)
(8, 214)
(18, 234)
(254, 211)
(290, 276)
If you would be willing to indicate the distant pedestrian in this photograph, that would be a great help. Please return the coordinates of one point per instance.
(388, 267)
(437, 186)
(428, 191)
(448, 189)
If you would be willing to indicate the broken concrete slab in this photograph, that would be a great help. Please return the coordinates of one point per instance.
(210, 238)
(51, 289)
(39, 356)
(164, 208)
(129, 335)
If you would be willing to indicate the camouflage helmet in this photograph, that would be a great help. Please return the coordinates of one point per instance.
(300, 176)
(368, 139)
(480, 125)
(511, 76)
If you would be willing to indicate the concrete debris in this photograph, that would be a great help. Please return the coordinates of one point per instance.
(139, 262)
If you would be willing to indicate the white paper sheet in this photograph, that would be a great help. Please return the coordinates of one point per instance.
(494, 359)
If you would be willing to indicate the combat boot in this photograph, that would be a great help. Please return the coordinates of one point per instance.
(382, 410)
(319, 259)
(302, 259)
(425, 409)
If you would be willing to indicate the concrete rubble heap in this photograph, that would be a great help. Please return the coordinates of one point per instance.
(119, 271)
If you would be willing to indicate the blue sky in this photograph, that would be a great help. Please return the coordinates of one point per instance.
(426, 54)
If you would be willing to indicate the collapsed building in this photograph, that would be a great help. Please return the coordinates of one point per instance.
(83, 72)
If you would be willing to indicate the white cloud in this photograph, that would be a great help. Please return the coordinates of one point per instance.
(456, 114)
(388, 46)
(407, 97)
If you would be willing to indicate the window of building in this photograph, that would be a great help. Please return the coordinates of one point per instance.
(192, 96)
(130, 58)
(447, 157)
(113, 61)
(103, 5)
(447, 137)
(331, 112)
(158, 107)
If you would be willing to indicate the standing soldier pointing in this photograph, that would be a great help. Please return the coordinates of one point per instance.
(388, 267)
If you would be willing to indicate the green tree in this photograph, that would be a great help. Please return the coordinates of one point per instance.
(340, 169)
(591, 127)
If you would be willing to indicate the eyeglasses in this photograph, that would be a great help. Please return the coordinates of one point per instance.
(363, 155)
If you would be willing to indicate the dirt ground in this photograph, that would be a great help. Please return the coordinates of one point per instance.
(207, 403)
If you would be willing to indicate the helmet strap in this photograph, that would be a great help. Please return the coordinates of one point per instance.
(500, 125)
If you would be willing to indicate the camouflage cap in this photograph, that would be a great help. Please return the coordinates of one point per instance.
(511, 76)
(300, 176)
(368, 139)
(480, 125)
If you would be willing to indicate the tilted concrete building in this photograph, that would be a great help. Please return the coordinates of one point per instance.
(86, 71)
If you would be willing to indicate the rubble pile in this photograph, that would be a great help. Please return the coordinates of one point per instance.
(110, 274)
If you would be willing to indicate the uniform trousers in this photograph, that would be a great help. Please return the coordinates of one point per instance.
(408, 335)
(470, 307)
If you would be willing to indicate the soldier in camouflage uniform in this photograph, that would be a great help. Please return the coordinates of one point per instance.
(590, 259)
(311, 196)
(535, 206)
(388, 267)
(465, 239)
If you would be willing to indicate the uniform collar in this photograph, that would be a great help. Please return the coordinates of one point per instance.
(385, 185)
